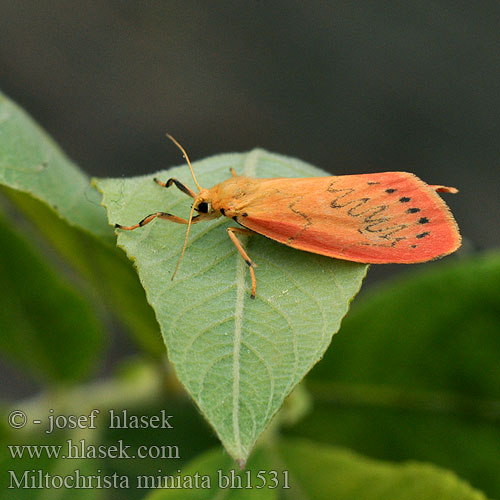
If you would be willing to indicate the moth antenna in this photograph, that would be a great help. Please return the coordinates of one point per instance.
(187, 159)
(185, 240)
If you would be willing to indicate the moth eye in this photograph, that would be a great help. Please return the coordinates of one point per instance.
(203, 207)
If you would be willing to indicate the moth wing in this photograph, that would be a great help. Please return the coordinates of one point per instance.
(390, 217)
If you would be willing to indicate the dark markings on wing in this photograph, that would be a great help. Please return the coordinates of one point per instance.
(422, 235)
(391, 244)
(373, 219)
(304, 216)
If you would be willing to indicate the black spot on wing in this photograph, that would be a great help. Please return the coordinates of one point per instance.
(423, 235)
(404, 199)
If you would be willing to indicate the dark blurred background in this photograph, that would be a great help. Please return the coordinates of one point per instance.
(351, 87)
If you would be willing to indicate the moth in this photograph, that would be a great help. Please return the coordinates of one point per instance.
(381, 218)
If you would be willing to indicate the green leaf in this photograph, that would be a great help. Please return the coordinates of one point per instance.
(106, 269)
(45, 325)
(31, 162)
(52, 192)
(413, 373)
(237, 357)
(313, 471)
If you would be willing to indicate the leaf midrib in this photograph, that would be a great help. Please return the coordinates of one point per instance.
(249, 170)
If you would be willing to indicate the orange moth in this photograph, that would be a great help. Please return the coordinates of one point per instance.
(388, 217)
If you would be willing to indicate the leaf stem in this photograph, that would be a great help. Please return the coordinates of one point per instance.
(357, 395)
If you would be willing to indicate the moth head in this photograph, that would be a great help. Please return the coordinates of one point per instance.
(203, 203)
(203, 207)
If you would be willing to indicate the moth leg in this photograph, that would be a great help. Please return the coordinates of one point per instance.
(178, 185)
(233, 172)
(238, 245)
(160, 215)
